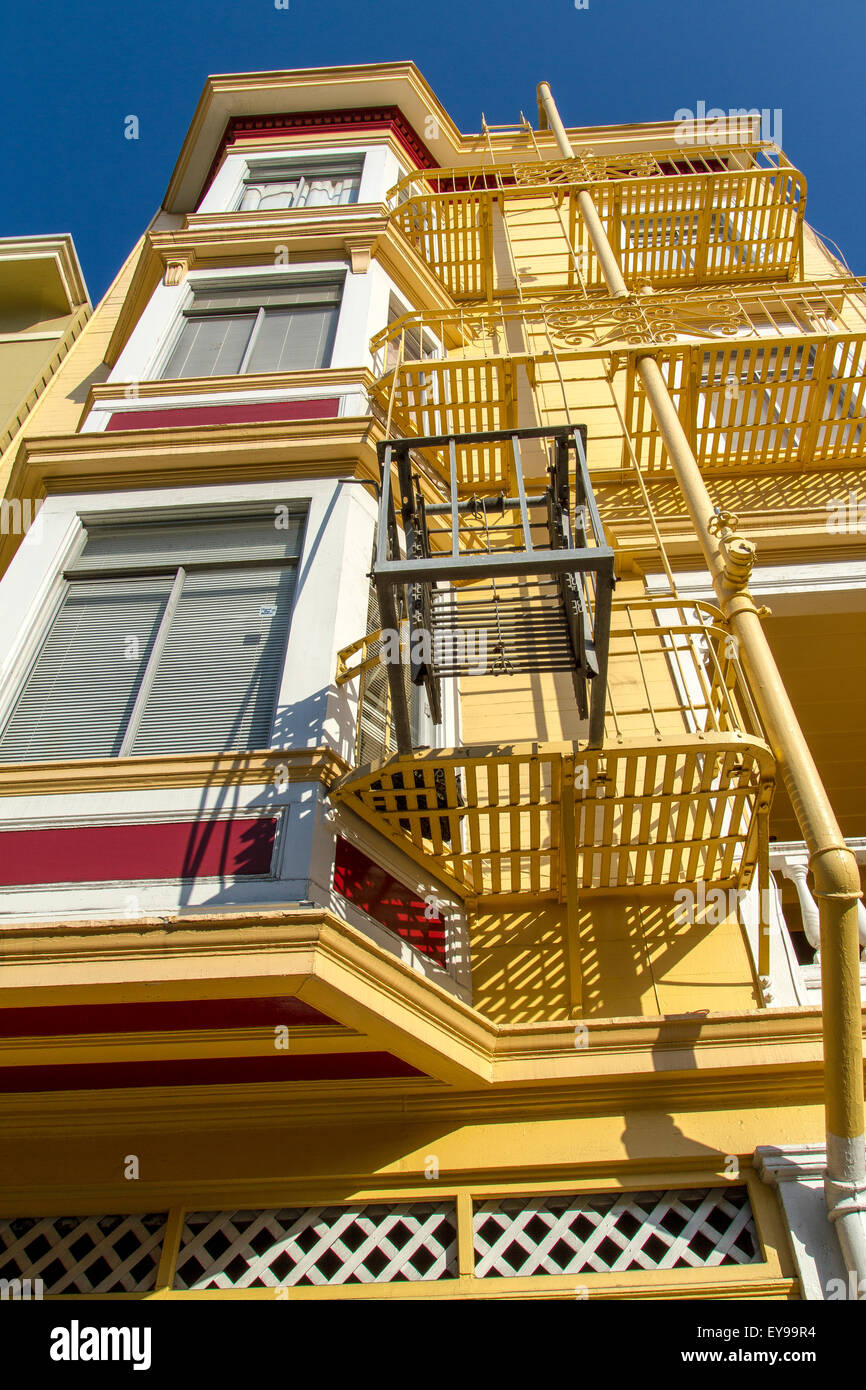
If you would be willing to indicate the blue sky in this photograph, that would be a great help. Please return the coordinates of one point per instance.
(73, 72)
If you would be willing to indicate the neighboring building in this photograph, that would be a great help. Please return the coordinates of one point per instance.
(43, 307)
(485, 969)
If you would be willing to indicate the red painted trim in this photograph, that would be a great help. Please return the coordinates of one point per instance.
(177, 1016)
(240, 128)
(387, 900)
(174, 849)
(687, 166)
(184, 417)
(205, 1071)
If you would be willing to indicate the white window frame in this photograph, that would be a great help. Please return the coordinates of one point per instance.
(380, 171)
(457, 971)
(288, 168)
(264, 279)
(17, 671)
(153, 337)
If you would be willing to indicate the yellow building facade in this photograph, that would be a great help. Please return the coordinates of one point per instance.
(45, 305)
(418, 881)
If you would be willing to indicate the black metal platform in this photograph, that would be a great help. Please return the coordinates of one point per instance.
(495, 583)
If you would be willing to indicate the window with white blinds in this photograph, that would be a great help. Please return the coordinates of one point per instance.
(232, 332)
(170, 638)
(319, 184)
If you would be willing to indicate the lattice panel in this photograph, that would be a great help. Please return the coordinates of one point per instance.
(603, 1233)
(83, 1254)
(319, 1245)
(677, 812)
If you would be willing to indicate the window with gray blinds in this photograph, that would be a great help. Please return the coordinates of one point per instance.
(376, 734)
(237, 331)
(170, 638)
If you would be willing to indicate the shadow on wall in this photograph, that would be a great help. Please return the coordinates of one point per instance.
(635, 960)
(300, 725)
(519, 964)
(654, 1134)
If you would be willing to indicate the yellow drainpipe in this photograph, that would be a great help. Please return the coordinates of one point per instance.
(834, 868)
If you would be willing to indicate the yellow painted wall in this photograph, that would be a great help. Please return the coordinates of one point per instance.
(500, 708)
(636, 959)
(822, 658)
(20, 364)
(59, 408)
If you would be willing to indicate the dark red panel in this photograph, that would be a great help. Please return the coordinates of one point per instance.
(711, 165)
(237, 413)
(169, 1016)
(175, 849)
(206, 1071)
(390, 902)
(455, 184)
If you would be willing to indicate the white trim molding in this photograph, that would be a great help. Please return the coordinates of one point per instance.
(806, 588)
(791, 859)
(797, 1172)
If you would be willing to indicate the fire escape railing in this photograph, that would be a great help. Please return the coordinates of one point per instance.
(525, 571)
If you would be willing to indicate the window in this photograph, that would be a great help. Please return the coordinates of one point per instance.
(231, 331)
(418, 346)
(170, 638)
(322, 183)
(401, 909)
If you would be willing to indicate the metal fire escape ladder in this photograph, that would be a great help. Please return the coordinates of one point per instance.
(538, 581)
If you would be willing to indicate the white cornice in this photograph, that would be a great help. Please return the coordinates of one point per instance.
(792, 588)
(60, 250)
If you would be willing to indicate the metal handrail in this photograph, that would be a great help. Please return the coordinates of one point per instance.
(592, 168)
(575, 320)
(682, 667)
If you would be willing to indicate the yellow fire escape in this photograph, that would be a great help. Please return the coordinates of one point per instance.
(762, 372)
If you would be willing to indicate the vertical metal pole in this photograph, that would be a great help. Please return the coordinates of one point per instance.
(568, 874)
(385, 538)
(455, 532)
(591, 220)
(521, 494)
(764, 892)
(601, 639)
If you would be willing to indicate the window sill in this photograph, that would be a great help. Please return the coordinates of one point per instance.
(349, 385)
(255, 767)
